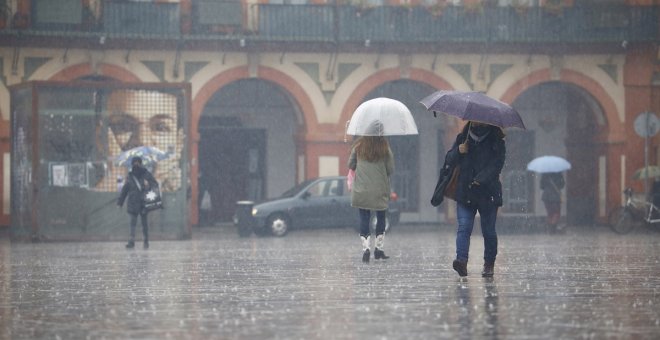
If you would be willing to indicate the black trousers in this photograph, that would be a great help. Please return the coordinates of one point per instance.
(145, 226)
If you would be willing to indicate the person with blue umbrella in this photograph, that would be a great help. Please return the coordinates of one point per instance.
(552, 182)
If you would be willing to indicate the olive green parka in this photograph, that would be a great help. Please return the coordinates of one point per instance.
(371, 188)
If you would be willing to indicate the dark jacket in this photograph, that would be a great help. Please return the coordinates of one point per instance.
(482, 164)
(655, 193)
(130, 190)
(551, 184)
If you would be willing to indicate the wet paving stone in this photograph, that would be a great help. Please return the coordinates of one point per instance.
(586, 284)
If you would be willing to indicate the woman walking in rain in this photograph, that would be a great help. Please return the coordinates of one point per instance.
(551, 184)
(479, 152)
(138, 180)
(373, 162)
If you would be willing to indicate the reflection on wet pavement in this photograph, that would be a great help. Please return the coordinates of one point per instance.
(312, 284)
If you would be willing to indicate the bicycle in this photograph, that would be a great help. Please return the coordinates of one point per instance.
(634, 212)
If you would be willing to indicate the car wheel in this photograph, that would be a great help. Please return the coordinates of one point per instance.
(278, 225)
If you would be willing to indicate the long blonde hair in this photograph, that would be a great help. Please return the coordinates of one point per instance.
(372, 148)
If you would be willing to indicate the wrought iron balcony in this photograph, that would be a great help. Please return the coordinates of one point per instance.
(456, 25)
(124, 19)
(141, 18)
(277, 23)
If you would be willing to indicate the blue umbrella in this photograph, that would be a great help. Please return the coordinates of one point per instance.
(474, 106)
(546, 164)
(149, 154)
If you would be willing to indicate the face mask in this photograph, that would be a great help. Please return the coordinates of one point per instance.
(480, 130)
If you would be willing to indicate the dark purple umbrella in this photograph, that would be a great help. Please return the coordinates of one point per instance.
(474, 106)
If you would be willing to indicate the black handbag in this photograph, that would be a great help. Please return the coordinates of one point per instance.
(151, 198)
(448, 180)
(446, 175)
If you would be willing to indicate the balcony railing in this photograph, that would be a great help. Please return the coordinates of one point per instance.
(418, 24)
(141, 18)
(233, 19)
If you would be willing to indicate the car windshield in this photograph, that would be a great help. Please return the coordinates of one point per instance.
(296, 189)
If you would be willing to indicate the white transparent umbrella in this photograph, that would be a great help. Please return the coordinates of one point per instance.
(382, 117)
(545, 164)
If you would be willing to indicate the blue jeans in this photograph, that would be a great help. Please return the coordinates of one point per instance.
(465, 215)
(365, 219)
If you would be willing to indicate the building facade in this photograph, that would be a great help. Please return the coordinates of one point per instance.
(272, 86)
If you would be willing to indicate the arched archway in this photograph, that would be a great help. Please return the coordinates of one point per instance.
(384, 76)
(104, 70)
(614, 132)
(564, 120)
(247, 149)
(295, 92)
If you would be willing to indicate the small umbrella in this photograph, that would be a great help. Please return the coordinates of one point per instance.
(474, 106)
(381, 117)
(652, 171)
(149, 154)
(545, 164)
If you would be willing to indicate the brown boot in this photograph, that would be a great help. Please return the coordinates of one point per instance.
(489, 270)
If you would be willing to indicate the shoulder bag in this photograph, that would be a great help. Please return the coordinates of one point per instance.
(151, 198)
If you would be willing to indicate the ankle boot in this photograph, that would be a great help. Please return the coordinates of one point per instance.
(460, 267)
(378, 250)
(130, 244)
(146, 244)
(489, 270)
(366, 253)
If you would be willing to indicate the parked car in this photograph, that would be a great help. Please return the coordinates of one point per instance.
(315, 203)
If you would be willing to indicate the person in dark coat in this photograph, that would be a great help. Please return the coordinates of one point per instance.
(138, 181)
(655, 196)
(551, 184)
(479, 151)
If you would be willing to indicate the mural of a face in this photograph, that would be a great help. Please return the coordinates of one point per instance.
(140, 118)
(146, 118)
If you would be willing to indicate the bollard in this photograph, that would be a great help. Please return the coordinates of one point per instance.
(243, 218)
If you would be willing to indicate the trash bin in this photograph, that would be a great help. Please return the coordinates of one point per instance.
(243, 218)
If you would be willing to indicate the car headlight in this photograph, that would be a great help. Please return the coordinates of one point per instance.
(254, 211)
